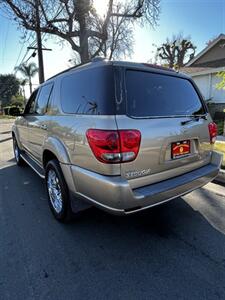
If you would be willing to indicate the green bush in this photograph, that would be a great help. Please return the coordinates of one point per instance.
(11, 110)
(220, 125)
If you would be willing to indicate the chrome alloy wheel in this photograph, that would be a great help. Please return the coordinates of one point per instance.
(54, 191)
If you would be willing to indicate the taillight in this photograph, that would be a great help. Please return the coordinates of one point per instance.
(114, 146)
(212, 132)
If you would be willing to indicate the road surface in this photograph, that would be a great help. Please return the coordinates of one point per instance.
(174, 251)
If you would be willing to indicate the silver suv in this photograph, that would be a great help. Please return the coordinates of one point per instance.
(121, 136)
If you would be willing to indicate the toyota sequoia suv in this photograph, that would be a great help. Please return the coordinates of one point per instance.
(121, 136)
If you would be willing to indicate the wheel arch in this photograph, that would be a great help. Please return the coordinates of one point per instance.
(47, 156)
(54, 149)
(16, 136)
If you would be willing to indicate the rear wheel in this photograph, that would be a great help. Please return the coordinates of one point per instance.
(58, 194)
(17, 153)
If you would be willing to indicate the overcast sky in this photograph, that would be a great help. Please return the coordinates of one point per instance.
(201, 19)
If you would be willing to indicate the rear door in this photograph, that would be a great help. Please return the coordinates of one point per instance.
(38, 122)
(168, 112)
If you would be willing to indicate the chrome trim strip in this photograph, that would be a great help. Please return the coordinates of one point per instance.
(100, 204)
(32, 167)
(33, 158)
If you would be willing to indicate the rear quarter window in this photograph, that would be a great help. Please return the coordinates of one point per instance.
(152, 95)
(89, 92)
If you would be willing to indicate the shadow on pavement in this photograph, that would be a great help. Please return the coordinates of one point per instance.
(170, 251)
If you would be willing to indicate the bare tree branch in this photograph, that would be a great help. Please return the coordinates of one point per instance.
(177, 51)
(78, 23)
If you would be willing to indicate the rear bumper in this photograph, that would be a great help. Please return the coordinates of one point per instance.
(114, 194)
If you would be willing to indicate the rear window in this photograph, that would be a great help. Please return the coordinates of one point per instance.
(151, 95)
(89, 92)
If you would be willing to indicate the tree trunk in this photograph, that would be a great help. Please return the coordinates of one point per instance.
(180, 58)
(30, 84)
(171, 63)
(83, 38)
(24, 96)
(84, 55)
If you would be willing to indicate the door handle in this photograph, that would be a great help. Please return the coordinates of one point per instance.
(44, 127)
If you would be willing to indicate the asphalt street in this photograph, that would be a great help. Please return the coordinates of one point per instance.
(173, 251)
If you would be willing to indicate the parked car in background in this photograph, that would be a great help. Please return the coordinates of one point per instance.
(121, 136)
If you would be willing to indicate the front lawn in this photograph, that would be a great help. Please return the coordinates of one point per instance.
(220, 146)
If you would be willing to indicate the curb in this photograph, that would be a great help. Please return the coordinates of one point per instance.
(6, 132)
(221, 177)
(215, 188)
(5, 140)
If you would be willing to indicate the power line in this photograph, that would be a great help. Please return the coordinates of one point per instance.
(26, 54)
(23, 59)
(33, 45)
(15, 71)
(22, 48)
(4, 43)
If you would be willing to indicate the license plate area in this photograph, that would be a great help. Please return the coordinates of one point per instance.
(180, 149)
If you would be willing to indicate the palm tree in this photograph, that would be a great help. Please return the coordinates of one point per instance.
(23, 82)
(28, 71)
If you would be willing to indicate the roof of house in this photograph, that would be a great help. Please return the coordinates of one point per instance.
(212, 44)
(192, 70)
(196, 71)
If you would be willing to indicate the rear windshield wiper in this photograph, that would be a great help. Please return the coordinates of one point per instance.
(194, 118)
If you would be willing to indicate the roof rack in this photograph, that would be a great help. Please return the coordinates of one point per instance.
(98, 58)
(159, 67)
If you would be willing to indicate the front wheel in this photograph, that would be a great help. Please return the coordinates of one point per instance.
(17, 153)
(57, 190)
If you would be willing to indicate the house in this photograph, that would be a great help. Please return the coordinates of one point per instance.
(204, 69)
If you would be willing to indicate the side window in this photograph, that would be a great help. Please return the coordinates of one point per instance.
(89, 92)
(43, 97)
(29, 109)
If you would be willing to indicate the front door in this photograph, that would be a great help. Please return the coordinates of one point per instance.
(23, 120)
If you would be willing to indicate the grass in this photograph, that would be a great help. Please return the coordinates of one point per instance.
(220, 146)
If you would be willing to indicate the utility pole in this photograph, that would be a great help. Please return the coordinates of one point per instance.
(39, 44)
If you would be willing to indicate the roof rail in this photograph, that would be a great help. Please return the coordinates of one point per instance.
(95, 59)
(66, 70)
(98, 58)
(159, 67)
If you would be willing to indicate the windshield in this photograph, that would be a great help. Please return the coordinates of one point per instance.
(151, 95)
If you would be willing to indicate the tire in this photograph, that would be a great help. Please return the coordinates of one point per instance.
(57, 190)
(17, 153)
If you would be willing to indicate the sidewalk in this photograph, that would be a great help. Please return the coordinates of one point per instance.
(220, 138)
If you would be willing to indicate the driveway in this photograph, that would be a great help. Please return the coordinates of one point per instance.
(5, 129)
(174, 251)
